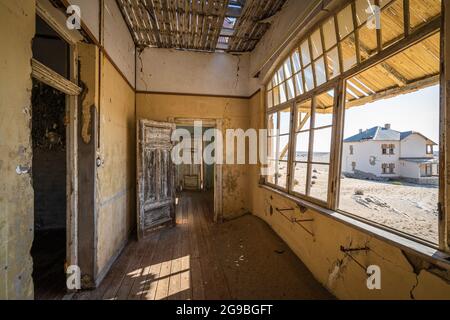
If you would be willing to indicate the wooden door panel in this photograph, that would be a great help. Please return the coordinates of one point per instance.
(155, 176)
(150, 175)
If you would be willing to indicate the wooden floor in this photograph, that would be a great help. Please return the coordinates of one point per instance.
(240, 259)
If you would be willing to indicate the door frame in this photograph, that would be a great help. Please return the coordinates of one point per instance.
(70, 87)
(218, 168)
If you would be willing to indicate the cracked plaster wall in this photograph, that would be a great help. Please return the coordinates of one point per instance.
(232, 111)
(165, 70)
(402, 276)
(16, 192)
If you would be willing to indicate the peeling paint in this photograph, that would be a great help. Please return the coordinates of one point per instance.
(22, 170)
(403, 276)
(16, 192)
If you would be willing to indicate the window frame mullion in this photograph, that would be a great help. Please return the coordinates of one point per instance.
(292, 142)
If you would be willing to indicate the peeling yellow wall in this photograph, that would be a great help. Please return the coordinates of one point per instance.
(321, 252)
(16, 192)
(116, 176)
(234, 112)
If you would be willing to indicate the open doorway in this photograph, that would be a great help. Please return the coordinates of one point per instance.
(198, 175)
(50, 168)
(201, 176)
(49, 183)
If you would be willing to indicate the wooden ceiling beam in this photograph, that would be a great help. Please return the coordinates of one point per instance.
(196, 25)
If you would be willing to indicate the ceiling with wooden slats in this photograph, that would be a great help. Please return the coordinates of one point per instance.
(253, 24)
(203, 25)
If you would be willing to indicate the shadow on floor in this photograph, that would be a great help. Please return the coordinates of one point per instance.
(196, 260)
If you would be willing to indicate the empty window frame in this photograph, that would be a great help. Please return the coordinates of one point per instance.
(356, 33)
(313, 136)
(286, 83)
(391, 158)
(279, 124)
(347, 39)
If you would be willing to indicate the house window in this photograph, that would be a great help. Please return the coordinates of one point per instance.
(334, 57)
(313, 133)
(430, 149)
(392, 168)
(278, 125)
(387, 197)
(428, 170)
(392, 149)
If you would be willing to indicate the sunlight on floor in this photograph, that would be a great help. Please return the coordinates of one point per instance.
(165, 279)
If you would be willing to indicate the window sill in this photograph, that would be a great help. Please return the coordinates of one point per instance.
(428, 253)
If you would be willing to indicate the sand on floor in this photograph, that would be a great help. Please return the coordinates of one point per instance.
(406, 207)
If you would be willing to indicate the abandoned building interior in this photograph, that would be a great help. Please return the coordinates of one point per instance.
(350, 96)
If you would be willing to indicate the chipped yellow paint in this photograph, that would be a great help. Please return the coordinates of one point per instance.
(16, 192)
(234, 113)
(116, 175)
(321, 252)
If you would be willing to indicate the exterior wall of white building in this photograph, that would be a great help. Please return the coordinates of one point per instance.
(363, 152)
(409, 170)
(414, 146)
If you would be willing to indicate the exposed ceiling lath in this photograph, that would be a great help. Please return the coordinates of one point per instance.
(253, 24)
(205, 25)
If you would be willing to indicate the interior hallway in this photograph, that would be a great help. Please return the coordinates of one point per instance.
(201, 260)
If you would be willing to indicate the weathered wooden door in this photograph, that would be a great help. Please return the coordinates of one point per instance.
(155, 176)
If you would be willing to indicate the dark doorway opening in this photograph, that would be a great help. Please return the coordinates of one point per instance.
(50, 184)
(49, 166)
(198, 176)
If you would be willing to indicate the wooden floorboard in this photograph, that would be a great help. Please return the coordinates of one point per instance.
(197, 260)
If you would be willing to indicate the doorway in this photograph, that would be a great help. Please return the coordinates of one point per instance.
(212, 173)
(52, 130)
(50, 190)
(198, 175)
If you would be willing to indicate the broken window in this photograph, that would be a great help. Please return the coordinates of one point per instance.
(313, 145)
(392, 149)
(387, 89)
(391, 168)
(388, 192)
(279, 124)
(282, 87)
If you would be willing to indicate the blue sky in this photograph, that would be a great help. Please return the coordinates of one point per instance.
(417, 111)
